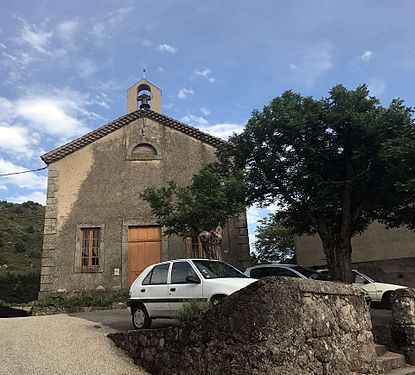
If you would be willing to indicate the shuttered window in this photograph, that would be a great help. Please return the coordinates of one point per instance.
(90, 239)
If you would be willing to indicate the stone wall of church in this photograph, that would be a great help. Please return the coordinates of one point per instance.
(97, 186)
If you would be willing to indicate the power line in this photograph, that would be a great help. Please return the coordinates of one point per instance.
(31, 170)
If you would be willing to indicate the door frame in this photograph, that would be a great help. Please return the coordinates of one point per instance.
(124, 247)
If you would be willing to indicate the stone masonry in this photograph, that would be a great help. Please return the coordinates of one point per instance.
(403, 328)
(279, 326)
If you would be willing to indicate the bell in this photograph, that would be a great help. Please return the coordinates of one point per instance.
(144, 100)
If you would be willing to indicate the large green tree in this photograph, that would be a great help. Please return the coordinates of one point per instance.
(201, 209)
(332, 165)
(274, 242)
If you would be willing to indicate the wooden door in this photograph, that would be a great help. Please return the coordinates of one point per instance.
(144, 249)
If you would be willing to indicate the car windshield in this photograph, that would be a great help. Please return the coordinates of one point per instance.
(215, 269)
(309, 273)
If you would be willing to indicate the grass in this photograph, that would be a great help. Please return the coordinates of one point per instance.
(192, 310)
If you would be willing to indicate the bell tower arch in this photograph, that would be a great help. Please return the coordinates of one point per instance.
(143, 95)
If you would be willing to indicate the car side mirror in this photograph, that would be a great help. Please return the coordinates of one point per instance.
(193, 279)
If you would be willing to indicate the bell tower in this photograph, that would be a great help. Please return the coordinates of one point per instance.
(144, 95)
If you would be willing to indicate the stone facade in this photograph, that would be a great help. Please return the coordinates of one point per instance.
(278, 326)
(386, 255)
(93, 182)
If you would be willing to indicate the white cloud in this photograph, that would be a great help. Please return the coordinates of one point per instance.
(66, 31)
(184, 93)
(205, 111)
(195, 120)
(2, 45)
(313, 64)
(376, 86)
(99, 31)
(105, 27)
(223, 130)
(35, 36)
(86, 68)
(17, 139)
(57, 113)
(167, 48)
(36, 196)
(51, 115)
(160, 69)
(366, 56)
(204, 73)
(25, 180)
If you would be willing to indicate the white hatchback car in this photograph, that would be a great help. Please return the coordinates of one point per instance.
(379, 292)
(161, 289)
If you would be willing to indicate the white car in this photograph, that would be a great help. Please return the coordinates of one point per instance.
(291, 270)
(161, 289)
(379, 292)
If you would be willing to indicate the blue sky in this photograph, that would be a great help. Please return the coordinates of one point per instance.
(65, 66)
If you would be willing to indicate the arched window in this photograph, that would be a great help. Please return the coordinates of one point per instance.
(143, 151)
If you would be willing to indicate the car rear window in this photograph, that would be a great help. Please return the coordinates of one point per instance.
(309, 273)
(158, 275)
(259, 272)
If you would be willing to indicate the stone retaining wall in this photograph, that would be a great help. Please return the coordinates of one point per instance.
(274, 326)
(403, 328)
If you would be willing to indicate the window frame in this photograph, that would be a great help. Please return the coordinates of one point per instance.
(90, 257)
(144, 142)
(78, 267)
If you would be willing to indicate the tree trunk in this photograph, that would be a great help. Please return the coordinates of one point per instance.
(339, 258)
(211, 243)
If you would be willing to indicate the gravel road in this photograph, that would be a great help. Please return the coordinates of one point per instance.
(60, 344)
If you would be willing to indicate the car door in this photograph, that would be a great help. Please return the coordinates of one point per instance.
(181, 290)
(154, 292)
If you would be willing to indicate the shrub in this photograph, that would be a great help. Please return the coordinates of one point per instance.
(19, 288)
(192, 310)
(84, 299)
(20, 247)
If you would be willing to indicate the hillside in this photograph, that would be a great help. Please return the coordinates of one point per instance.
(21, 235)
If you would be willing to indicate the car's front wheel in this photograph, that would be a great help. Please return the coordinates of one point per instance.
(140, 317)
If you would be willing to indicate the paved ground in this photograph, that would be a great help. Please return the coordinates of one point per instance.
(60, 344)
(118, 320)
(77, 344)
(381, 316)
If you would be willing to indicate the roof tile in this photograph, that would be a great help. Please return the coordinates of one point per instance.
(101, 132)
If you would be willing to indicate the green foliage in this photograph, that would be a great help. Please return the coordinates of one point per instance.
(333, 165)
(19, 247)
(192, 310)
(19, 287)
(214, 196)
(274, 242)
(74, 303)
(21, 223)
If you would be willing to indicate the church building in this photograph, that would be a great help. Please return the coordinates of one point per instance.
(99, 234)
